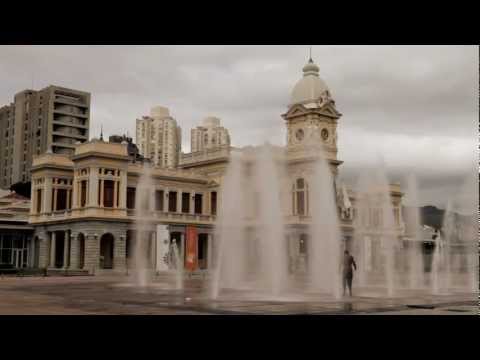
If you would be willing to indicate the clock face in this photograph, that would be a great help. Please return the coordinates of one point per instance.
(299, 134)
(324, 134)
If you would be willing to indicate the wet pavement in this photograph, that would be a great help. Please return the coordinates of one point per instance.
(113, 295)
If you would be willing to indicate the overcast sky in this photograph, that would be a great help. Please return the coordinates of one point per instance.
(417, 106)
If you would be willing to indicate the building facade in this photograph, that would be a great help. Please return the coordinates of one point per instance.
(209, 135)
(54, 118)
(86, 214)
(15, 232)
(158, 137)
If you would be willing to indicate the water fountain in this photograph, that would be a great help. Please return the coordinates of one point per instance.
(249, 227)
(270, 227)
(230, 229)
(178, 266)
(460, 230)
(326, 245)
(376, 229)
(414, 255)
(142, 238)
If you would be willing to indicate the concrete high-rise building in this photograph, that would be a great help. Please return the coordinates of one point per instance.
(7, 121)
(53, 118)
(209, 135)
(159, 138)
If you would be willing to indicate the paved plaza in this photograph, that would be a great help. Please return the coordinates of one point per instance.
(117, 295)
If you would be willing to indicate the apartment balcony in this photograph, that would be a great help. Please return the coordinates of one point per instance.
(70, 102)
(70, 124)
(70, 113)
(73, 136)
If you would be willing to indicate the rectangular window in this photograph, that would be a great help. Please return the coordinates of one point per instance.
(108, 193)
(39, 201)
(130, 198)
(198, 203)
(159, 200)
(300, 203)
(61, 199)
(83, 193)
(185, 202)
(213, 200)
(202, 244)
(172, 201)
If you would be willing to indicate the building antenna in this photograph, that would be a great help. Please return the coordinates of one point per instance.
(101, 132)
(310, 60)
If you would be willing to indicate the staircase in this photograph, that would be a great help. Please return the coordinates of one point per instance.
(67, 272)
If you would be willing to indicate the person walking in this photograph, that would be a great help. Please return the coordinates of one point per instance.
(348, 263)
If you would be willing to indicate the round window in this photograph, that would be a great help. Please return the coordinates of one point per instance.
(299, 134)
(324, 134)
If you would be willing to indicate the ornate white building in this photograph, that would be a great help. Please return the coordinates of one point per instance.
(83, 206)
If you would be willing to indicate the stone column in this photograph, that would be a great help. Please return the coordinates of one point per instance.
(101, 192)
(152, 200)
(68, 199)
(209, 251)
(54, 199)
(92, 252)
(119, 244)
(52, 249)
(204, 203)
(43, 256)
(93, 187)
(192, 202)
(179, 201)
(74, 251)
(47, 194)
(165, 200)
(182, 250)
(153, 249)
(66, 242)
(122, 189)
(75, 194)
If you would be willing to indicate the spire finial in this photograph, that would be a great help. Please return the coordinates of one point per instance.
(310, 60)
(101, 132)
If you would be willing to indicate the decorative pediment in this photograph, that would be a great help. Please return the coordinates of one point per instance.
(329, 110)
(213, 183)
(296, 110)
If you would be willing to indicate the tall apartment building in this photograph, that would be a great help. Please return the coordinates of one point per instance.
(159, 138)
(209, 135)
(7, 122)
(53, 118)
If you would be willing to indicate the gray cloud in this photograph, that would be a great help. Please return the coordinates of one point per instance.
(416, 105)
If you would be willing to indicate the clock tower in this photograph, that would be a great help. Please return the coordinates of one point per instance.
(312, 117)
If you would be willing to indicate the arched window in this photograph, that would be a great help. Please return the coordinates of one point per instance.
(300, 197)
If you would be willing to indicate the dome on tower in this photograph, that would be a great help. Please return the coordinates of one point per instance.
(310, 90)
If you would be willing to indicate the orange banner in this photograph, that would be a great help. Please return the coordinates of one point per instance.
(191, 248)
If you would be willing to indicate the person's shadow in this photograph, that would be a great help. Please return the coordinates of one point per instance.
(347, 307)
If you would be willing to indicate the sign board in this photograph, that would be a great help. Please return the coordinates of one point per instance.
(163, 247)
(191, 248)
